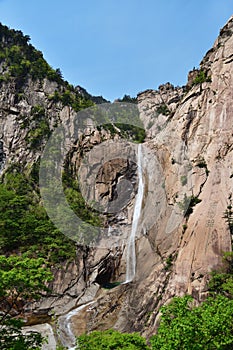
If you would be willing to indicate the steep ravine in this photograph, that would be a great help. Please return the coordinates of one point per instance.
(187, 183)
(196, 136)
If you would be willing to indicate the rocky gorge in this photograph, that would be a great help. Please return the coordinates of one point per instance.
(186, 178)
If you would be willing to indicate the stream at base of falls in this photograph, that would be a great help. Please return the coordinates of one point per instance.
(66, 335)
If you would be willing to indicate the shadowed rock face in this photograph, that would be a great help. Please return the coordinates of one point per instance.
(189, 132)
(2, 156)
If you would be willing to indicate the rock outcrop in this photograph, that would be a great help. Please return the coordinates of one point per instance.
(200, 129)
(188, 174)
(191, 136)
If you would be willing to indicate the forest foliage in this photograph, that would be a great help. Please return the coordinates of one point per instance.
(30, 243)
(184, 325)
(22, 280)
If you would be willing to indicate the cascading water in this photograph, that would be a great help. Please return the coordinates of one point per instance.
(66, 335)
(131, 253)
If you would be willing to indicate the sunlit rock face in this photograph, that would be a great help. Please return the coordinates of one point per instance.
(187, 176)
(201, 130)
(191, 137)
(189, 133)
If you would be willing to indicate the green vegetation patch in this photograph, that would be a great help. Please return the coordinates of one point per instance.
(111, 339)
(163, 109)
(25, 226)
(188, 204)
(126, 131)
(19, 58)
(70, 97)
(186, 326)
(22, 279)
(201, 77)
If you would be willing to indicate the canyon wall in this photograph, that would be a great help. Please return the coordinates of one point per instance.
(187, 174)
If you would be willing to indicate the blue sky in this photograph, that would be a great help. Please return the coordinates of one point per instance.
(117, 47)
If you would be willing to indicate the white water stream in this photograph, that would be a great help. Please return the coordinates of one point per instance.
(131, 253)
(67, 337)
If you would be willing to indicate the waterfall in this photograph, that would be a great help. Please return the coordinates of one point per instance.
(131, 253)
(67, 337)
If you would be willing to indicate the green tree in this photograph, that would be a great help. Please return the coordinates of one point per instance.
(201, 77)
(111, 340)
(127, 98)
(221, 282)
(185, 326)
(24, 224)
(21, 279)
(12, 338)
(11, 209)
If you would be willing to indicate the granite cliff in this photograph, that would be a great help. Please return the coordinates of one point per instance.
(183, 229)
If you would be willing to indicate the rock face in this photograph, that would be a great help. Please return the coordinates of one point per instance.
(47, 332)
(156, 106)
(187, 174)
(200, 130)
(192, 139)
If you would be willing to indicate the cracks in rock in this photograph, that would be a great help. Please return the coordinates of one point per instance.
(229, 61)
(73, 307)
(202, 164)
(107, 268)
(102, 259)
(191, 115)
(72, 283)
(150, 314)
(159, 301)
(194, 94)
(228, 215)
(105, 307)
(159, 253)
(116, 184)
(2, 156)
(84, 259)
(226, 148)
(75, 280)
